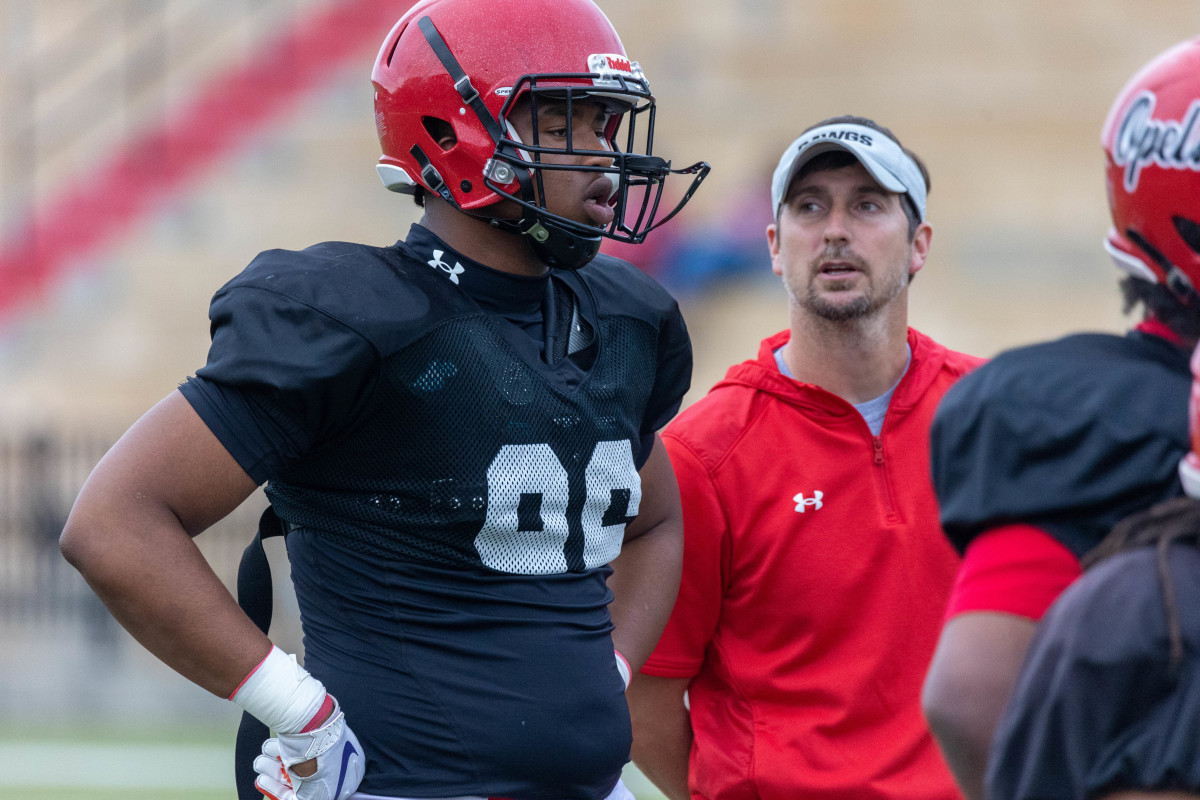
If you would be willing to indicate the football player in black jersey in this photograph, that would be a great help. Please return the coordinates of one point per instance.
(1107, 704)
(457, 432)
(1038, 454)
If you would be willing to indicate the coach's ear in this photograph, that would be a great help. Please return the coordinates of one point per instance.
(773, 248)
(922, 238)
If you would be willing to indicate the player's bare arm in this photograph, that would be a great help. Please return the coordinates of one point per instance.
(970, 679)
(645, 576)
(130, 535)
(662, 732)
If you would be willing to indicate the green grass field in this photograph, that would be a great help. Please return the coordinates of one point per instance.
(116, 763)
(127, 763)
(60, 793)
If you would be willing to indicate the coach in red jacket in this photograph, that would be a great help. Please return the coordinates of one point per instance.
(815, 572)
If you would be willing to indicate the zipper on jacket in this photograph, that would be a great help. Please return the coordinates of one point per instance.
(888, 505)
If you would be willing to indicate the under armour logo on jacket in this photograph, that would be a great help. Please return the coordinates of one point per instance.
(815, 501)
(437, 263)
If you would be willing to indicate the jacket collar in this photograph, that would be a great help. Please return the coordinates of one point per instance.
(762, 374)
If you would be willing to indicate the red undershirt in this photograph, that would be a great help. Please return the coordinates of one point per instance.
(1021, 569)
(1015, 569)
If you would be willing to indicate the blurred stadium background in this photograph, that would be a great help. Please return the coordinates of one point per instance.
(149, 148)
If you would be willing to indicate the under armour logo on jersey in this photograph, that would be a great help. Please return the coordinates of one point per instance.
(802, 502)
(437, 263)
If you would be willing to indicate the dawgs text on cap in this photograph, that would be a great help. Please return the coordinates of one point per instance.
(878, 153)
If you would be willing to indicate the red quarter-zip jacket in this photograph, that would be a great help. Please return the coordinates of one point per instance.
(815, 580)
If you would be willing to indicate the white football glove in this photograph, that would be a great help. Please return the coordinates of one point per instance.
(340, 763)
(623, 668)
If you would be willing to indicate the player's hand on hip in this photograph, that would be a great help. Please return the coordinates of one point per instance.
(332, 748)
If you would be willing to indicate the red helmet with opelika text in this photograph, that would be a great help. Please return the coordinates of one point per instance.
(1151, 141)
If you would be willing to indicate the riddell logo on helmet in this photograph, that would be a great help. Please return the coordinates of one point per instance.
(619, 64)
(613, 64)
(1141, 139)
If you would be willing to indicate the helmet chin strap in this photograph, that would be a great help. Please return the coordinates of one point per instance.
(1177, 280)
(552, 243)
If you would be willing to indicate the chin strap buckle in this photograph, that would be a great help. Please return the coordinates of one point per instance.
(537, 232)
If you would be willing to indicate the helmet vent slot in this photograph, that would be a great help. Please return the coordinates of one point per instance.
(1189, 231)
(392, 53)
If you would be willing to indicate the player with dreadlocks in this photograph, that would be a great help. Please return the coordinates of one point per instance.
(1108, 702)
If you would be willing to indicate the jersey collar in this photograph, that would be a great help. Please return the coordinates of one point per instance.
(491, 289)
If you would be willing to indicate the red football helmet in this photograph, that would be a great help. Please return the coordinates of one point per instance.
(1152, 142)
(462, 65)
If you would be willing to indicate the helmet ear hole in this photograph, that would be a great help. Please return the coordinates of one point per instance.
(441, 131)
(1189, 231)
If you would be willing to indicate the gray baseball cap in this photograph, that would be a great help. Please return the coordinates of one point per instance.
(887, 162)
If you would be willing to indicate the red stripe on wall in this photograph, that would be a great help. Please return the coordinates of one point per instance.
(145, 170)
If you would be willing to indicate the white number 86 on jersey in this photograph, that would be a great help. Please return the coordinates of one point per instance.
(526, 528)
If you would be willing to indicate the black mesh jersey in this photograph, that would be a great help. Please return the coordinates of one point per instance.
(1070, 436)
(1097, 708)
(458, 479)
